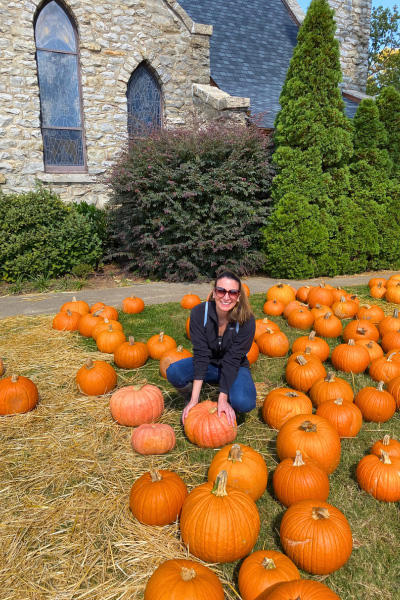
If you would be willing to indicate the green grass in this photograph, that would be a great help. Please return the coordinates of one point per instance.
(373, 570)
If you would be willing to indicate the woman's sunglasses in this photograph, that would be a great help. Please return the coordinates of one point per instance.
(221, 293)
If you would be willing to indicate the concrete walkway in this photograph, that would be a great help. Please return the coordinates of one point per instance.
(152, 293)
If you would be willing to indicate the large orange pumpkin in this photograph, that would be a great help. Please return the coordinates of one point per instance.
(104, 325)
(301, 373)
(79, 306)
(279, 408)
(107, 341)
(182, 579)
(273, 343)
(376, 404)
(157, 497)
(66, 320)
(158, 344)
(96, 378)
(317, 345)
(330, 388)
(360, 329)
(219, 523)
(380, 477)
(18, 394)
(300, 479)
(131, 354)
(262, 325)
(316, 536)
(282, 292)
(384, 368)
(153, 438)
(314, 436)
(346, 417)
(328, 326)
(301, 589)
(320, 295)
(88, 322)
(134, 405)
(206, 429)
(245, 467)
(387, 444)
(263, 569)
(350, 358)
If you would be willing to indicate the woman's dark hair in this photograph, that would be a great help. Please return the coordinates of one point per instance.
(241, 312)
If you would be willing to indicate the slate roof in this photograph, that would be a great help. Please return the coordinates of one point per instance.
(250, 49)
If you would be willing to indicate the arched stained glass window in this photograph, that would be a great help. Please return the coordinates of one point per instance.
(60, 90)
(144, 102)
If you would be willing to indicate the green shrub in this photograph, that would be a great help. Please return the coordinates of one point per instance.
(42, 235)
(186, 202)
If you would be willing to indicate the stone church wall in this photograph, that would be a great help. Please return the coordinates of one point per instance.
(115, 37)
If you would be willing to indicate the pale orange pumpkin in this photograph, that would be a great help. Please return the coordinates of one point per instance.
(134, 405)
(153, 438)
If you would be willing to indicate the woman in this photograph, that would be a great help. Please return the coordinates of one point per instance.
(222, 331)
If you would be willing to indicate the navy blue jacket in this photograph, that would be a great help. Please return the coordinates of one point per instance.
(234, 347)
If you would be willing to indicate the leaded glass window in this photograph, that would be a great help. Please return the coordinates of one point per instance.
(59, 87)
(144, 102)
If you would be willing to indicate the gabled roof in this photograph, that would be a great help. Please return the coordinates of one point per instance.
(250, 49)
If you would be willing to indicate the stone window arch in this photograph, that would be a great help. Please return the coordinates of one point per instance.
(57, 57)
(144, 99)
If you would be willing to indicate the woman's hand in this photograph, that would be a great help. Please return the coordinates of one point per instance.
(225, 407)
(187, 408)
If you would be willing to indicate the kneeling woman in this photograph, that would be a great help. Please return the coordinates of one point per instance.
(222, 331)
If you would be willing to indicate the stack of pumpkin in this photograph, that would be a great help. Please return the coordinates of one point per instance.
(386, 288)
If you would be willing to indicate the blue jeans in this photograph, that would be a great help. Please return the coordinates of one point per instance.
(242, 394)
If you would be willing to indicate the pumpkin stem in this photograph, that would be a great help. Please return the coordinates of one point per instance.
(14, 378)
(342, 299)
(268, 330)
(279, 285)
(301, 360)
(219, 488)
(330, 377)
(370, 344)
(268, 564)
(155, 475)
(312, 335)
(188, 574)
(213, 410)
(339, 401)
(291, 395)
(361, 330)
(327, 316)
(179, 349)
(131, 340)
(266, 320)
(110, 327)
(351, 342)
(318, 512)
(386, 440)
(389, 358)
(161, 338)
(307, 350)
(69, 313)
(385, 458)
(235, 453)
(89, 364)
(97, 313)
(308, 426)
(298, 459)
(380, 385)
(73, 299)
(396, 313)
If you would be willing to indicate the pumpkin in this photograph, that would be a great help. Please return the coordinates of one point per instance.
(378, 291)
(96, 378)
(273, 343)
(131, 354)
(370, 312)
(171, 356)
(306, 353)
(279, 408)
(206, 429)
(132, 305)
(384, 368)
(380, 476)
(338, 293)
(320, 310)
(134, 405)
(2, 368)
(96, 307)
(393, 387)
(253, 353)
(108, 312)
(350, 358)
(282, 292)
(328, 326)
(300, 479)
(300, 589)
(301, 373)
(314, 436)
(66, 320)
(153, 438)
(300, 318)
(245, 467)
(302, 292)
(108, 341)
(159, 344)
(262, 325)
(376, 404)
(360, 329)
(345, 309)
(187, 328)
(18, 394)
(393, 279)
(317, 345)
(330, 388)
(320, 295)
(393, 293)
(291, 306)
(316, 536)
(246, 289)
(387, 444)
(389, 323)
(157, 497)
(79, 306)
(88, 322)
(391, 340)
(219, 523)
(263, 569)
(346, 417)
(373, 348)
(376, 281)
(273, 308)
(104, 325)
(180, 579)
(190, 300)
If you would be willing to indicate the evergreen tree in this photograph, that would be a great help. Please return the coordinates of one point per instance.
(388, 103)
(313, 141)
